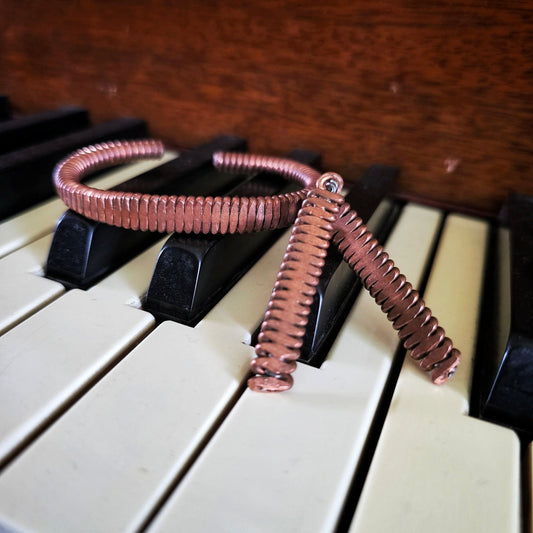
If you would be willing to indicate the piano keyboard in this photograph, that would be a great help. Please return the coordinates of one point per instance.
(113, 422)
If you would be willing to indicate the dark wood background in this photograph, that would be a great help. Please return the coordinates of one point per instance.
(444, 89)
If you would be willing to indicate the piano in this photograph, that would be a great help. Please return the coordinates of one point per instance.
(116, 418)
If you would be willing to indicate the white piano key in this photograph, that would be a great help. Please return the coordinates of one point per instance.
(36, 222)
(29, 225)
(129, 283)
(25, 289)
(72, 334)
(284, 462)
(435, 469)
(46, 360)
(132, 434)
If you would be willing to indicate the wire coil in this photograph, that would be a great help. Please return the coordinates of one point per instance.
(182, 214)
(417, 328)
(322, 217)
(285, 320)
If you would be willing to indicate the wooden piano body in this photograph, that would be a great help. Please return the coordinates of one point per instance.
(145, 436)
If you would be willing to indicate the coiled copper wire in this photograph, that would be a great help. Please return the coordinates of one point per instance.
(417, 328)
(187, 214)
(283, 327)
(323, 215)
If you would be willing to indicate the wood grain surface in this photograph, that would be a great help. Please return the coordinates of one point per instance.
(443, 89)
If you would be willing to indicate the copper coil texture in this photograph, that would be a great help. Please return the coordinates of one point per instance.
(417, 328)
(292, 170)
(171, 213)
(286, 317)
(283, 327)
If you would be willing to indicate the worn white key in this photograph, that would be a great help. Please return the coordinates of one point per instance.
(284, 462)
(29, 225)
(25, 290)
(129, 283)
(73, 339)
(46, 360)
(435, 469)
(133, 433)
(36, 222)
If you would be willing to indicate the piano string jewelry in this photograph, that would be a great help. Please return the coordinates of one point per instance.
(320, 215)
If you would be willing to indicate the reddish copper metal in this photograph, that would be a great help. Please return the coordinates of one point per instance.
(187, 214)
(285, 320)
(317, 222)
(417, 328)
(292, 170)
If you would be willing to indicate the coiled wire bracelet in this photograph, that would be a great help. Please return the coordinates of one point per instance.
(320, 216)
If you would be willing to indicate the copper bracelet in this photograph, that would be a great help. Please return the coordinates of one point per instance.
(168, 213)
(320, 215)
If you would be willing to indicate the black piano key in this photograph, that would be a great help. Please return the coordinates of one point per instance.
(505, 357)
(194, 272)
(5, 107)
(26, 174)
(339, 285)
(83, 250)
(25, 131)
